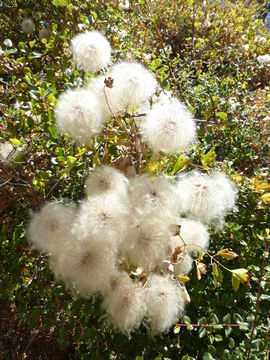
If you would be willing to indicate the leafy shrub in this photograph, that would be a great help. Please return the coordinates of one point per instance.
(221, 83)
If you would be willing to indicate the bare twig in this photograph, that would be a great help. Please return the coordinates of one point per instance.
(161, 42)
(4, 183)
(113, 114)
(52, 188)
(193, 25)
(30, 341)
(208, 46)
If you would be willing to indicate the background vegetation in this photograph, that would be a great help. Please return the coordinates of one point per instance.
(206, 54)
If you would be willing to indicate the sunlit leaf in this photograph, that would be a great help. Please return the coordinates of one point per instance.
(208, 159)
(180, 164)
(227, 254)
(235, 282)
(266, 198)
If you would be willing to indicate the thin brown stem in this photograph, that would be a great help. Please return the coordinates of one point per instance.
(113, 114)
(161, 42)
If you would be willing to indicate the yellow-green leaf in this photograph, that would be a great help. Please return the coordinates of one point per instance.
(181, 163)
(266, 198)
(261, 187)
(208, 159)
(235, 282)
(242, 275)
(222, 115)
(227, 254)
(240, 271)
(152, 166)
(183, 278)
(201, 256)
(215, 269)
(218, 275)
(15, 142)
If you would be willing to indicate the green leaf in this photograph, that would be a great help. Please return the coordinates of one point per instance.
(202, 332)
(228, 330)
(53, 131)
(227, 318)
(218, 338)
(242, 275)
(235, 282)
(244, 326)
(222, 115)
(35, 55)
(176, 329)
(207, 356)
(15, 142)
(8, 43)
(58, 3)
(266, 198)
(217, 273)
(212, 349)
(202, 320)
(208, 159)
(231, 343)
(227, 254)
(181, 163)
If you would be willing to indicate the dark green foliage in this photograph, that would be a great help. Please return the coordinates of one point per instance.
(222, 84)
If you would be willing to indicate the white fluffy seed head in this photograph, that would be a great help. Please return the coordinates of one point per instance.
(260, 39)
(206, 197)
(194, 236)
(105, 179)
(85, 265)
(49, 228)
(91, 51)
(117, 280)
(263, 59)
(28, 26)
(184, 266)
(147, 244)
(169, 127)
(125, 305)
(153, 196)
(103, 216)
(132, 85)
(164, 301)
(78, 114)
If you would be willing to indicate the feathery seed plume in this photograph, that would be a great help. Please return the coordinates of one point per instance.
(165, 303)
(105, 179)
(169, 127)
(78, 115)
(91, 51)
(206, 197)
(125, 306)
(153, 196)
(263, 59)
(86, 265)
(147, 244)
(49, 228)
(103, 216)
(28, 26)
